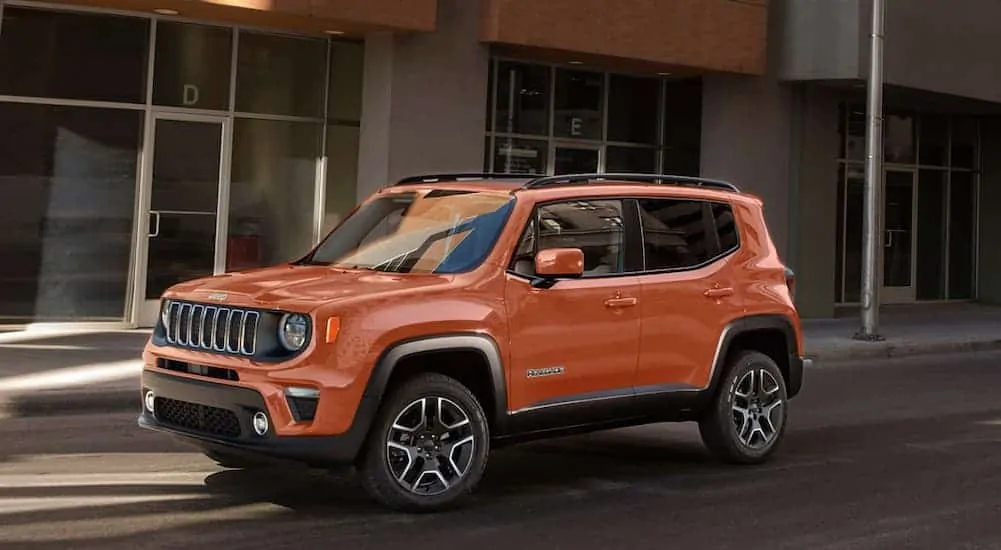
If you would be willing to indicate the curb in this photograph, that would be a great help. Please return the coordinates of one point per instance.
(890, 350)
(67, 403)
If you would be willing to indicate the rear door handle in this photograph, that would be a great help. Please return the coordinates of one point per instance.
(718, 292)
(621, 302)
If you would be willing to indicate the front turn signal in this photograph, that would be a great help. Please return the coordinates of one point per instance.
(333, 327)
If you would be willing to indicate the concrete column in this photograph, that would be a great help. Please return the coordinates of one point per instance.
(746, 140)
(424, 100)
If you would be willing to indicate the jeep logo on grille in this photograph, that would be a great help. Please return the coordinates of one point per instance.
(218, 296)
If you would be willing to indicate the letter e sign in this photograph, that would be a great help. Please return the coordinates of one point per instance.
(576, 126)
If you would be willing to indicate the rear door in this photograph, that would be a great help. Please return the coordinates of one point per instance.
(688, 291)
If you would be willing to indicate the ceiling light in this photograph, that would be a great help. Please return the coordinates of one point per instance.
(664, 74)
(166, 11)
(335, 33)
(576, 62)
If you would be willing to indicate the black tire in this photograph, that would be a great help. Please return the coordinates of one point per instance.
(722, 427)
(379, 477)
(234, 461)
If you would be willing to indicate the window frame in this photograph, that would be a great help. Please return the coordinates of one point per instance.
(634, 242)
(710, 223)
(632, 247)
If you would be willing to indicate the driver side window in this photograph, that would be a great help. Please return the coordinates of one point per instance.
(594, 226)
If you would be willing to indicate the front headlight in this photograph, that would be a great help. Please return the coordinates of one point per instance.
(293, 331)
(165, 312)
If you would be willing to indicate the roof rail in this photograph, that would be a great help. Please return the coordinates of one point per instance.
(436, 178)
(668, 179)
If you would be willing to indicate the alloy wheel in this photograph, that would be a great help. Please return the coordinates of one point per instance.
(430, 446)
(756, 408)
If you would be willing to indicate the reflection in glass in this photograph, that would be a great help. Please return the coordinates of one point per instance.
(280, 75)
(73, 55)
(683, 127)
(272, 193)
(898, 136)
(192, 65)
(964, 142)
(519, 156)
(593, 226)
(931, 233)
(67, 191)
(342, 174)
(632, 109)
(570, 160)
(630, 159)
(183, 204)
(347, 68)
(522, 99)
(962, 214)
(579, 104)
(898, 220)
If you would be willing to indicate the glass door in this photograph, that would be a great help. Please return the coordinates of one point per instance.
(899, 199)
(183, 185)
(575, 159)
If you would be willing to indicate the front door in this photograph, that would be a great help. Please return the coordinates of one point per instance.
(575, 342)
(898, 244)
(183, 185)
(575, 159)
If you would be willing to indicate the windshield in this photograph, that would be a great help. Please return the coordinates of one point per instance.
(427, 231)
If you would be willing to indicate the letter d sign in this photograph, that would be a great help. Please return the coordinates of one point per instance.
(190, 95)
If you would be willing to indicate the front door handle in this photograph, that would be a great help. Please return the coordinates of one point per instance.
(621, 302)
(718, 292)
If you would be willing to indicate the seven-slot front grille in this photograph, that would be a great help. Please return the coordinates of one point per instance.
(214, 328)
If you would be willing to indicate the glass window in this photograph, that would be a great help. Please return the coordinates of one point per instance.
(575, 160)
(67, 186)
(342, 174)
(632, 109)
(630, 159)
(592, 226)
(520, 156)
(674, 233)
(931, 233)
(579, 103)
(280, 75)
(192, 65)
(726, 227)
(898, 131)
(347, 69)
(273, 192)
(683, 127)
(934, 140)
(522, 99)
(962, 213)
(73, 55)
(964, 142)
(431, 231)
(855, 141)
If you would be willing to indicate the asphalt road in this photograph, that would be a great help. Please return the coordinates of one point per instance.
(886, 454)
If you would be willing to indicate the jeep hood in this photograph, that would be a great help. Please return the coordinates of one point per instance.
(298, 287)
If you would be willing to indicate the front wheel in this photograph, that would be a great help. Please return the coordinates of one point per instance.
(748, 417)
(428, 447)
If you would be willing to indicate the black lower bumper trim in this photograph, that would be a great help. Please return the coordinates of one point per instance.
(243, 403)
(796, 367)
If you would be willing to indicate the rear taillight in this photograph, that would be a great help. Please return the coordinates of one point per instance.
(791, 282)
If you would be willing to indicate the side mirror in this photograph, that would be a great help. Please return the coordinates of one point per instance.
(559, 262)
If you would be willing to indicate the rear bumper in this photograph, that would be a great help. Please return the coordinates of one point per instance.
(219, 417)
(797, 365)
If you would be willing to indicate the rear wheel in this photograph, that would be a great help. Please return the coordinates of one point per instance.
(428, 447)
(747, 420)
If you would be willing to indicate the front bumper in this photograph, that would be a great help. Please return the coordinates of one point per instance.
(219, 417)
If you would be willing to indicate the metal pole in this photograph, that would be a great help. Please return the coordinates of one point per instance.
(873, 181)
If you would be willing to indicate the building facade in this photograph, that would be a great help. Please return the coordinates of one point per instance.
(145, 142)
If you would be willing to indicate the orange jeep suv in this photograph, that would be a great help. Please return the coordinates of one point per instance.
(449, 315)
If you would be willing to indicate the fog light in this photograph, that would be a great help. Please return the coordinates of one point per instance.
(260, 423)
(149, 401)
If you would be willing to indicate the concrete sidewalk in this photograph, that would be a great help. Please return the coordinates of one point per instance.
(72, 373)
